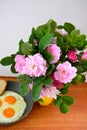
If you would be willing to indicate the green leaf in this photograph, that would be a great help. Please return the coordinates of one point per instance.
(7, 61)
(50, 69)
(84, 63)
(24, 79)
(21, 42)
(27, 49)
(13, 69)
(48, 56)
(85, 44)
(69, 27)
(74, 81)
(74, 34)
(60, 26)
(64, 90)
(69, 40)
(68, 100)
(41, 31)
(51, 26)
(79, 77)
(60, 41)
(38, 79)
(24, 84)
(82, 37)
(45, 41)
(47, 81)
(64, 108)
(32, 36)
(24, 89)
(37, 87)
(80, 45)
(44, 29)
(36, 91)
(58, 101)
(80, 68)
(67, 85)
(82, 78)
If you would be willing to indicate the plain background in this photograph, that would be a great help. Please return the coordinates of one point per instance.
(17, 17)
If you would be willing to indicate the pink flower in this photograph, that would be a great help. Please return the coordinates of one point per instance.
(50, 91)
(55, 51)
(35, 65)
(72, 56)
(65, 72)
(61, 31)
(19, 63)
(84, 55)
(43, 93)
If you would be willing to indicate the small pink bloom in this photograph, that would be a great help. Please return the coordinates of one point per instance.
(84, 55)
(61, 31)
(65, 72)
(55, 51)
(50, 91)
(35, 65)
(72, 56)
(19, 63)
(43, 93)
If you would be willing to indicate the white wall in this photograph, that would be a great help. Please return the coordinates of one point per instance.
(17, 17)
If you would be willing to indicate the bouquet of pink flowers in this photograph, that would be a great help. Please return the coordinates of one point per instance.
(51, 60)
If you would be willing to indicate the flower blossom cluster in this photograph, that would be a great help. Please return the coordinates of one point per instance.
(32, 65)
(53, 58)
(35, 65)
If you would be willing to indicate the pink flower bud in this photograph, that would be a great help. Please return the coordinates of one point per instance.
(84, 55)
(72, 56)
(55, 51)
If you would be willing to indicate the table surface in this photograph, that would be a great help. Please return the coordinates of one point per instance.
(50, 118)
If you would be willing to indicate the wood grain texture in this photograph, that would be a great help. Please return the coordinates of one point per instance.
(50, 118)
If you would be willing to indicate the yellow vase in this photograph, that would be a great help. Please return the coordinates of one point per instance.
(46, 101)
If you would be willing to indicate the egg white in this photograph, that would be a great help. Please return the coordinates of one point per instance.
(19, 107)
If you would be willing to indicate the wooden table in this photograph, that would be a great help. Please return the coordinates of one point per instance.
(49, 118)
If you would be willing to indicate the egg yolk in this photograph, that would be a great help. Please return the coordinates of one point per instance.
(10, 99)
(8, 112)
(0, 103)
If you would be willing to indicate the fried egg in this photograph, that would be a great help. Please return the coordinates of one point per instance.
(12, 107)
